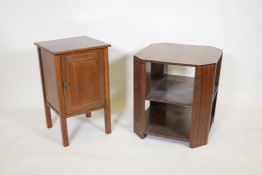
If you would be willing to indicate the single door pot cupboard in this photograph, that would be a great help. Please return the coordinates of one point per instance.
(75, 79)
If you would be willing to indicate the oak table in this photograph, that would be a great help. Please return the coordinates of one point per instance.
(75, 79)
(181, 107)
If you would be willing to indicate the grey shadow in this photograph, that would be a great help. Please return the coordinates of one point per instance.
(24, 115)
(118, 81)
(83, 120)
(80, 123)
(55, 117)
(168, 140)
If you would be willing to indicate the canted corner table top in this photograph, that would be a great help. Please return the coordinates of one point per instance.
(180, 54)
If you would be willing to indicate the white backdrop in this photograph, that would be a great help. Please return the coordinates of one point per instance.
(232, 25)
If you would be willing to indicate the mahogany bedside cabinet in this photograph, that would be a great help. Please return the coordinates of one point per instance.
(181, 107)
(75, 79)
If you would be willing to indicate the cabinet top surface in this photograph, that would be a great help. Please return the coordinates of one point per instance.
(67, 45)
(180, 54)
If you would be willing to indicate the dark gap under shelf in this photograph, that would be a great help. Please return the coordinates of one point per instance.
(172, 89)
(166, 120)
(215, 92)
(211, 121)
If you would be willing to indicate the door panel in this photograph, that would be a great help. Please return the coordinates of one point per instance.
(83, 77)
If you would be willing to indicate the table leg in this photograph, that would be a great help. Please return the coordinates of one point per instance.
(139, 97)
(107, 111)
(202, 105)
(88, 114)
(64, 130)
(48, 116)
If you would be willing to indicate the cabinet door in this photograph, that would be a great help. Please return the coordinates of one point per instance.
(83, 77)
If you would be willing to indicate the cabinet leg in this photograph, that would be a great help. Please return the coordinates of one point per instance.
(88, 114)
(64, 130)
(107, 116)
(107, 112)
(48, 117)
(202, 105)
(139, 97)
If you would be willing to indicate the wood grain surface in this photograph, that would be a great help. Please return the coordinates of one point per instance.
(69, 45)
(180, 54)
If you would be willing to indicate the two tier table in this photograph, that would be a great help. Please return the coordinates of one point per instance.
(181, 107)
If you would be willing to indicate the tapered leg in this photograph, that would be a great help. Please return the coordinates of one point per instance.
(48, 117)
(139, 97)
(64, 130)
(107, 112)
(88, 114)
(202, 105)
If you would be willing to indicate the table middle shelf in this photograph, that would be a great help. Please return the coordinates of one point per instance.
(171, 89)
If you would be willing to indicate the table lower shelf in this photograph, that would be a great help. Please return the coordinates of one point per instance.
(166, 120)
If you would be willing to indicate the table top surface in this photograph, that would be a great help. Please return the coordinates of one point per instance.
(180, 54)
(67, 45)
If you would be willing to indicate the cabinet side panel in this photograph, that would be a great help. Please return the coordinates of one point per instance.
(50, 81)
